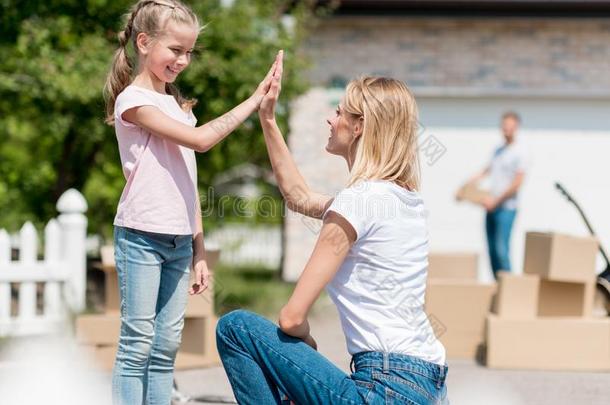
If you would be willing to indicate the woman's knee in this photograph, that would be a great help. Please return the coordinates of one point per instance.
(238, 317)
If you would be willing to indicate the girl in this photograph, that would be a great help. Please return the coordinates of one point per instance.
(371, 255)
(158, 232)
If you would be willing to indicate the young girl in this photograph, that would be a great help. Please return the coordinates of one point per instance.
(371, 256)
(158, 232)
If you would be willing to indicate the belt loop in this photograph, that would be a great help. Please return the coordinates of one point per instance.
(386, 362)
(351, 365)
(441, 376)
(175, 241)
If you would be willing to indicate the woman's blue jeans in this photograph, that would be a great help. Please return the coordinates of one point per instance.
(153, 272)
(498, 226)
(264, 364)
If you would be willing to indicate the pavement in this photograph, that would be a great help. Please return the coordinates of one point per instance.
(45, 371)
(468, 383)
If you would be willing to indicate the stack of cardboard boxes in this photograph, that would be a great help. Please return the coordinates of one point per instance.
(99, 333)
(457, 304)
(543, 318)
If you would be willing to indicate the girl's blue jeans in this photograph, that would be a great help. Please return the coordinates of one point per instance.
(498, 226)
(266, 366)
(153, 273)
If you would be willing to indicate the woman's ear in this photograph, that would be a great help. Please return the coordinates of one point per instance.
(358, 127)
(142, 42)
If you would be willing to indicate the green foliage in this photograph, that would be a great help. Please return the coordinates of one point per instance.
(54, 56)
(243, 287)
(257, 289)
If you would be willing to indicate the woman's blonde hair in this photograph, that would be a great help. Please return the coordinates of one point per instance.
(150, 17)
(387, 148)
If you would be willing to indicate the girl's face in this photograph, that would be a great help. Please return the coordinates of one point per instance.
(342, 132)
(170, 54)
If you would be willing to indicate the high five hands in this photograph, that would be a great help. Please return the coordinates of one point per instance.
(266, 110)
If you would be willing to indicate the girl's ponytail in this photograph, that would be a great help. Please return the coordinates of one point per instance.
(119, 76)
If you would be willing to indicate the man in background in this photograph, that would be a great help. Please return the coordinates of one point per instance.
(506, 172)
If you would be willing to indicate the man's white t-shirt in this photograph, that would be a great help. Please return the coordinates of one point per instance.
(506, 163)
(379, 289)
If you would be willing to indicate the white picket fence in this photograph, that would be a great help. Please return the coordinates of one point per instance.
(246, 245)
(62, 272)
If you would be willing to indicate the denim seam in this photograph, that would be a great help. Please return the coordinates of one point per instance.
(125, 238)
(403, 381)
(415, 370)
(122, 303)
(392, 393)
(370, 386)
(291, 362)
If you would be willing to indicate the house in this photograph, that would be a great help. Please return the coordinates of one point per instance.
(467, 62)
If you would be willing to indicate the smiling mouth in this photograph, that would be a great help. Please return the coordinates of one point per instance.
(173, 70)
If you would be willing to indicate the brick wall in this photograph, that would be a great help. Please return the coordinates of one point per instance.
(501, 55)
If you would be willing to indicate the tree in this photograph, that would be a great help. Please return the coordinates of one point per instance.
(55, 56)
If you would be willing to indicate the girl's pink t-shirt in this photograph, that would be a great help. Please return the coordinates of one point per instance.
(161, 191)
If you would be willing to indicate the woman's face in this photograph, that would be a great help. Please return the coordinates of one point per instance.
(341, 134)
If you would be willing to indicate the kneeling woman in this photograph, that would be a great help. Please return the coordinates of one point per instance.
(371, 256)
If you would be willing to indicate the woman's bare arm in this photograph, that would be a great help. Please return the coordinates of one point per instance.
(335, 240)
(299, 197)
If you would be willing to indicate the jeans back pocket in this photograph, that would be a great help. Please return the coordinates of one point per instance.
(365, 388)
(404, 387)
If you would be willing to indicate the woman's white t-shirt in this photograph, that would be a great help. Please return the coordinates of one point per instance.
(379, 289)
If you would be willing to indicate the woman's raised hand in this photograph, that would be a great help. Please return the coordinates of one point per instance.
(266, 111)
(264, 86)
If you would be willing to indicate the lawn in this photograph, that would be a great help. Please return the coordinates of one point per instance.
(257, 289)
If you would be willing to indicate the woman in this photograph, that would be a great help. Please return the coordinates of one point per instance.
(371, 256)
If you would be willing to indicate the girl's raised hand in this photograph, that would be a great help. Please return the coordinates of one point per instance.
(266, 110)
(263, 87)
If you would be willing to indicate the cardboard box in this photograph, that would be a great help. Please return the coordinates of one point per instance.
(601, 304)
(199, 335)
(201, 305)
(549, 343)
(198, 305)
(100, 357)
(103, 357)
(99, 329)
(459, 265)
(187, 361)
(517, 295)
(458, 308)
(212, 256)
(107, 256)
(471, 192)
(112, 293)
(563, 298)
(560, 257)
(198, 348)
